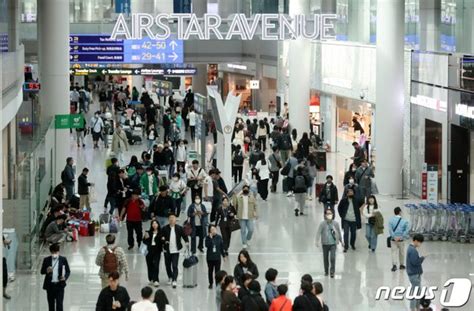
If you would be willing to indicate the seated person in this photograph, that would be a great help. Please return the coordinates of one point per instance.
(51, 217)
(55, 231)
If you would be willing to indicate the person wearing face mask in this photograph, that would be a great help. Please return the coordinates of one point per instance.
(349, 211)
(169, 159)
(162, 206)
(197, 217)
(215, 250)
(246, 207)
(97, 125)
(225, 213)
(329, 235)
(56, 271)
(181, 155)
(363, 178)
(149, 184)
(151, 136)
(178, 191)
(350, 174)
(373, 221)
(329, 195)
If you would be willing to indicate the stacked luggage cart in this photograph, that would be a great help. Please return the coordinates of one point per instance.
(442, 222)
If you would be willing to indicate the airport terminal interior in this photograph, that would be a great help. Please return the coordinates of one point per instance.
(237, 155)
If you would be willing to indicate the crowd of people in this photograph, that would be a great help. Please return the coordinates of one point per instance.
(154, 188)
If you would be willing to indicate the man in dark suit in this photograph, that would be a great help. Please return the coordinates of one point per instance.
(56, 271)
(172, 245)
(349, 211)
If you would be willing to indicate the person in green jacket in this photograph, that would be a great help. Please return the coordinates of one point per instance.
(149, 183)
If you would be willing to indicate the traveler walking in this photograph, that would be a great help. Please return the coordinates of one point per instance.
(119, 143)
(292, 162)
(134, 208)
(329, 235)
(263, 172)
(219, 191)
(261, 134)
(398, 228)
(285, 145)
(300, 186)
(215, 250)
(111, 258)
(56, 270)
(363, 178)
(415, 269)
(373, 221)
(151, 136)
(191, 117)
(237, 163)
(275, 164)
(181, 156)
(329, 195)
(359, 154)
(81, 133)
(198, 218)
(97, 126)
(83, 190)
(246, 207)
(225, 214)
(149, 184)
(349, 211)
(243, 266)
(114, 296)
(162, 207)
(196, 176)
(177, 191)
(68, 178)
(172, 236)
(152, 239)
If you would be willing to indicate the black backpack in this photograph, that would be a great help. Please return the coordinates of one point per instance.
(238, 158)
(300, 183)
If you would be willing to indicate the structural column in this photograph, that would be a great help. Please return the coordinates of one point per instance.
(199, 7)
(389, 95)
(13, 23)
(53, 34)
(300, 75)
(430, 12)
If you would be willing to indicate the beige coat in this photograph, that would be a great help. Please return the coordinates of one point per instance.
(119, 142)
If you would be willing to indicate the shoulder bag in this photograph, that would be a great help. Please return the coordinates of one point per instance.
(389, 239)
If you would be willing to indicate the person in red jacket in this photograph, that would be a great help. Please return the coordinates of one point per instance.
(133, 207)
(281, 303)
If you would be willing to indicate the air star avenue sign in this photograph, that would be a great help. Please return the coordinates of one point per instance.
(265, 26)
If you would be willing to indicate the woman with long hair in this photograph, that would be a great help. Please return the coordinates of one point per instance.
(229, 301)
(245, 265)
(161, 301)
(263, 172)
(152, 240)
(369, 210)
(262, 133)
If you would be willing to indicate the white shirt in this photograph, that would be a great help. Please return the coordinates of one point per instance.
(368, 213)
(245, 207)
(263, 170)
(173, 245)
(169, 308)
(97, 124)
(55, 265)
(144, 305)
(210, 186)
(152, 135)
(181, 154)
(192, 118)
(150, 184)
(153, 243)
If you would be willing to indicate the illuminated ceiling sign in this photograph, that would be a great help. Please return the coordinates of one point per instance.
(265, 26)
(465, 111)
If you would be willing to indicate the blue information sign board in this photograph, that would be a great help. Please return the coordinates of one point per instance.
(102, 49)
(122, 6)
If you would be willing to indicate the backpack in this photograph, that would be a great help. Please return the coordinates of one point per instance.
(300, 183)
(285, 142)
(238, 158)
(110, 263)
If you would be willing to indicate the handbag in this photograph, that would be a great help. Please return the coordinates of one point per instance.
(286, 169)
(234, 224)
(389, 238)
(190, 260)
(187, 228)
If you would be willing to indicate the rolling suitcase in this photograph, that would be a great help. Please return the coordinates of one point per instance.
(286, 184)
(190, 277)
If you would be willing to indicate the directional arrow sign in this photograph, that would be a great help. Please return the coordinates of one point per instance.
(173, 56)
(137, 71)
(168, 71)
(173, 45)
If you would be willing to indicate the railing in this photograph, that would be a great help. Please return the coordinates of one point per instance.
(12, 69)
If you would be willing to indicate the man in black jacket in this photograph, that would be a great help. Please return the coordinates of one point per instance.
(172, 234)
(169, 159)
(83, 190)
(162, 206)
(56, 271)
(114, 297)
(349, 211)
(159, 160)
(68, 179)
(329, 195)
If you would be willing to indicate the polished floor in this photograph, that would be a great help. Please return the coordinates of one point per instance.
(281, 241)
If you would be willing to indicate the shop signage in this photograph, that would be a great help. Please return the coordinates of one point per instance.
(134, 72)
(465, 111)
(266, 26)
(68, 121)
(424, 185)
(254, 84)
(122, 6)
(3, 42)
(429, 102)
(236, 66)
(92, 48)
(432, 184)
(31, 86)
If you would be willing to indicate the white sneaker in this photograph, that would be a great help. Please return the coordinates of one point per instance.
(169, 281)
(156, 284)
(310, 198)
(290, 194)
(151, 283)
(248, 243)
(174, 284)
(244, 246)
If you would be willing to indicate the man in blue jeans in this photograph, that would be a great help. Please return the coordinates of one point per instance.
(349, 211)
(246, 208)
(414, 268)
